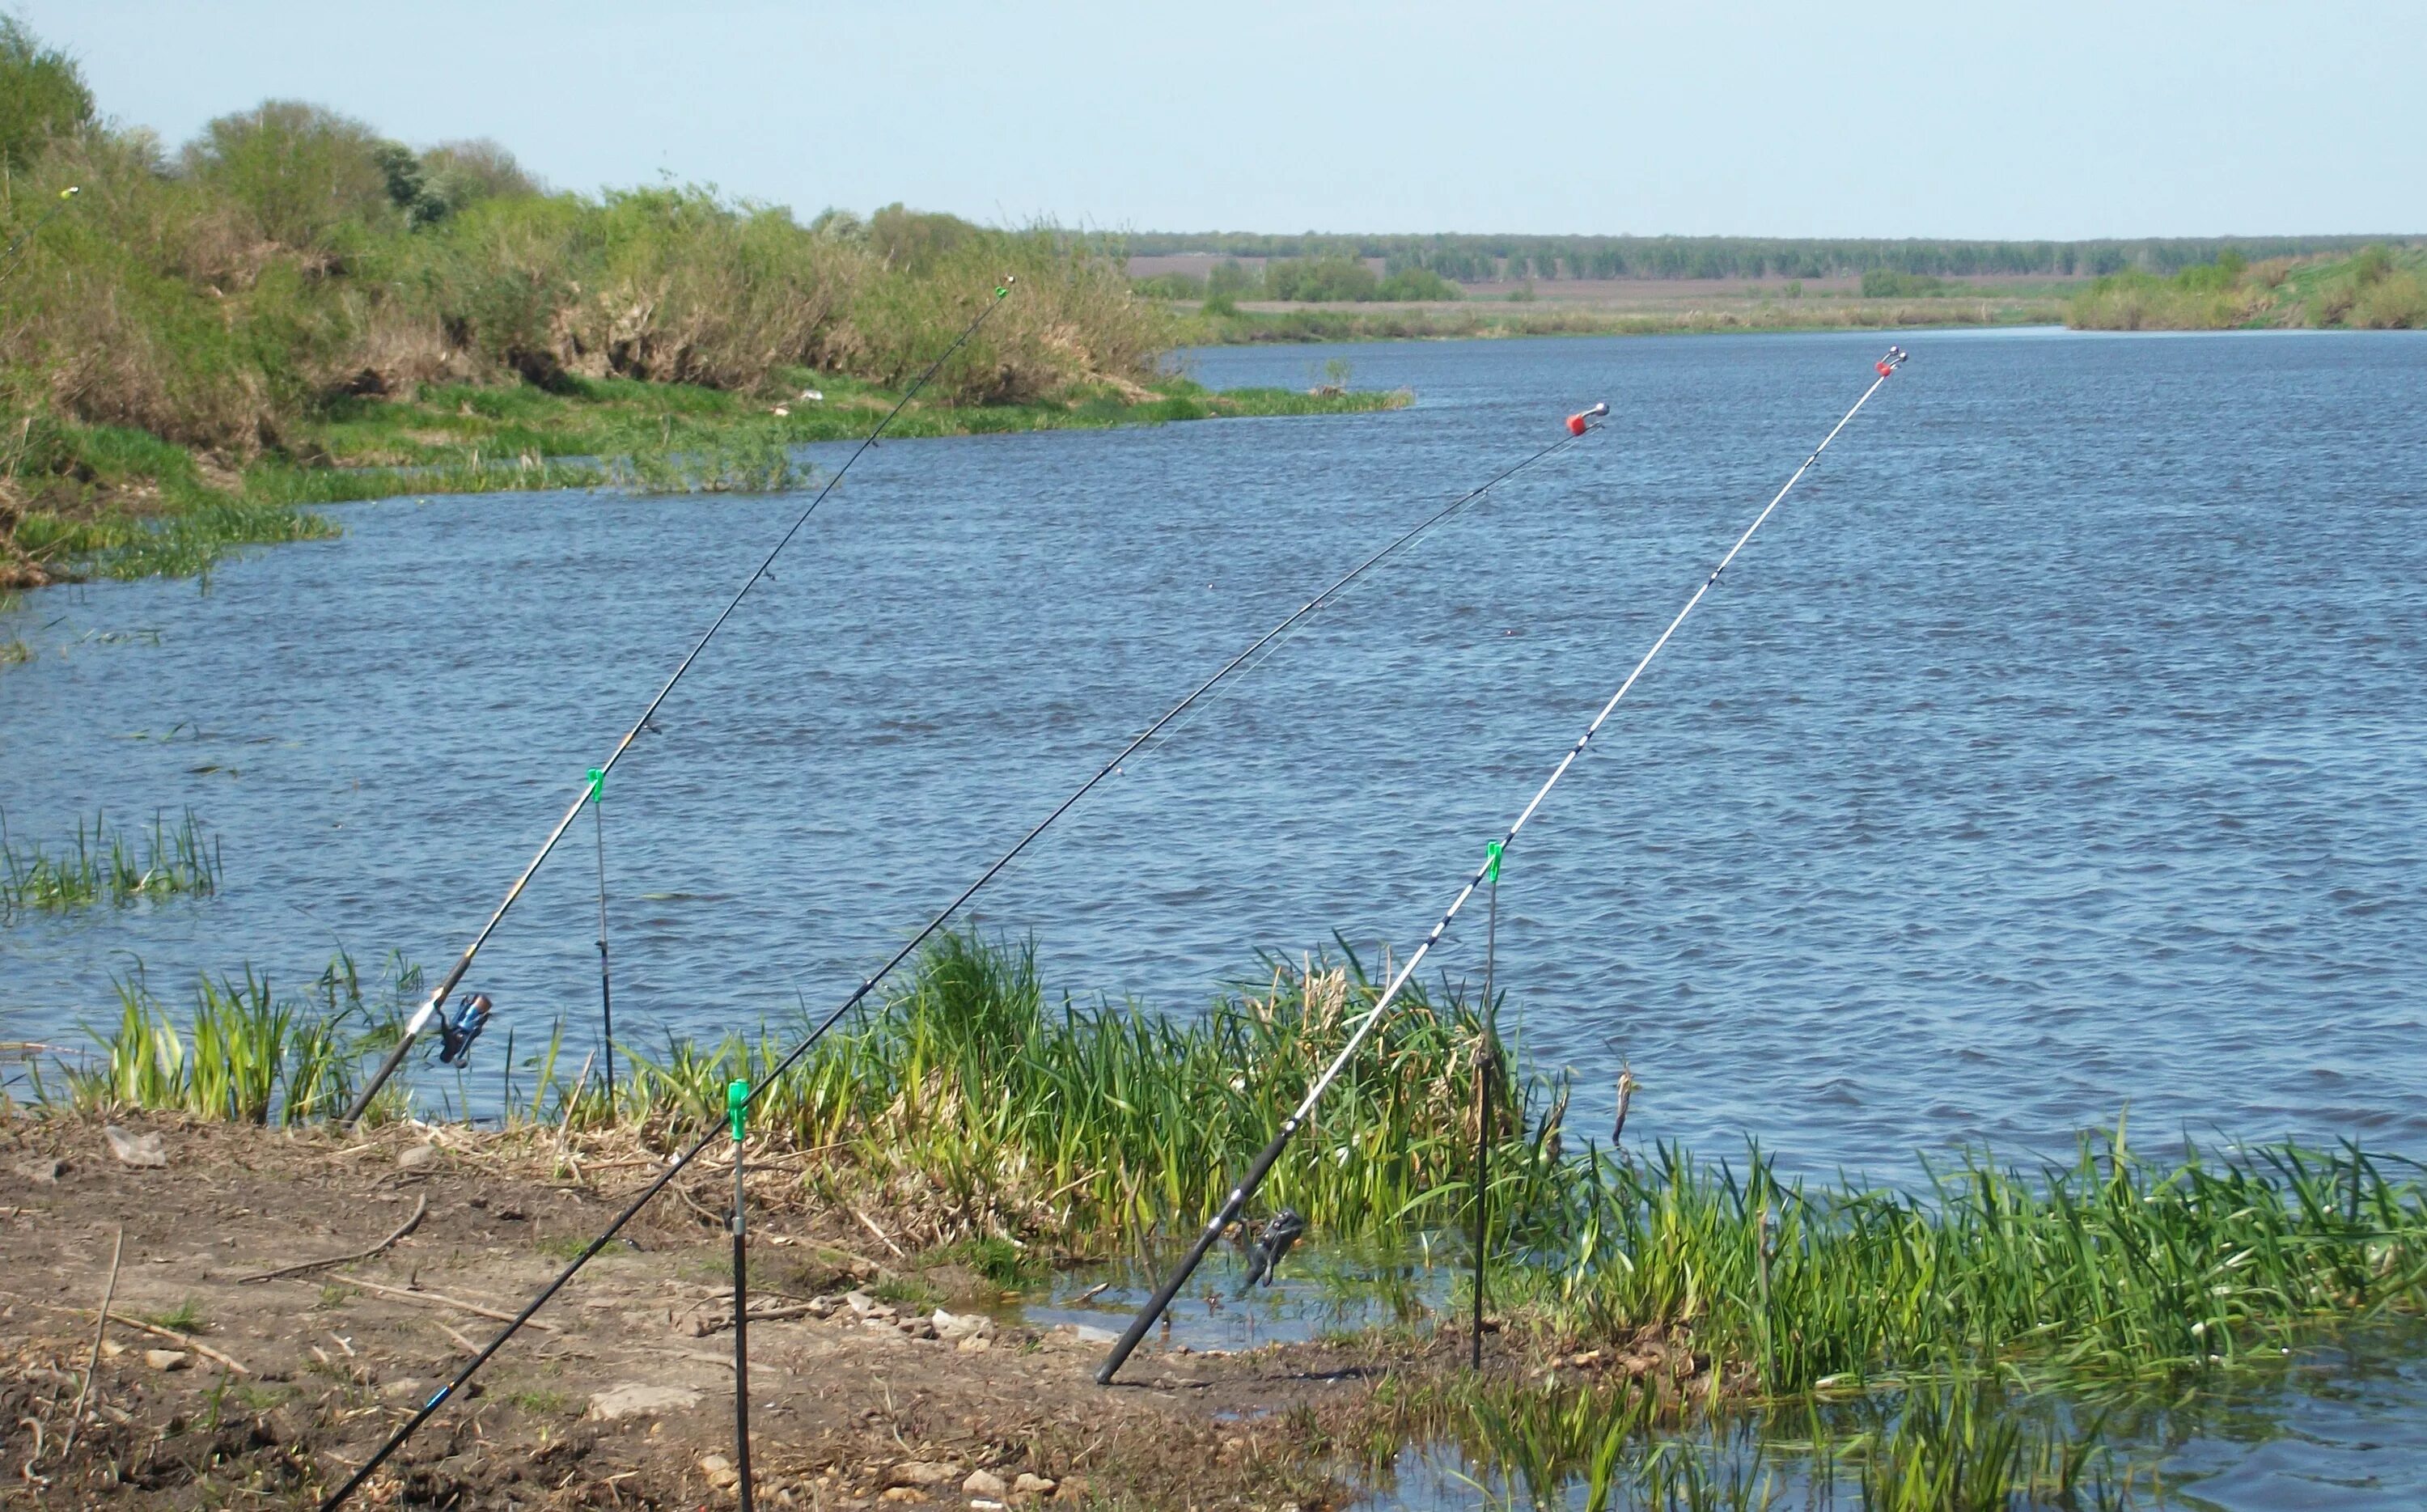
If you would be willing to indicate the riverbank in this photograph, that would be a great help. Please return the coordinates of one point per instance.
(964, 1146)
(2382, 287)
(1629, 310)
(85, 500)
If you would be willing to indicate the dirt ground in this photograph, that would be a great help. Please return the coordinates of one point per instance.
(266, 1393)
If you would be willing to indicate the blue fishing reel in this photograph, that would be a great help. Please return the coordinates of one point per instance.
(455, 1035)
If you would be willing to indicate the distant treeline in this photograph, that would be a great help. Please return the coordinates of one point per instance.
(1476, 259)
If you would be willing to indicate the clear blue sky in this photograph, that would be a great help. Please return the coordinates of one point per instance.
(2054, 119)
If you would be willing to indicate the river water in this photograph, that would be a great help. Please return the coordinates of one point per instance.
(2055, 751)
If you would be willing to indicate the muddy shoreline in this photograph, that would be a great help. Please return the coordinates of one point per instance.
(266, 1392)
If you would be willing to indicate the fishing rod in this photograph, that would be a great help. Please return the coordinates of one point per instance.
(1578, 426)
(1264, 1161)
(594, 781)
(9, 258)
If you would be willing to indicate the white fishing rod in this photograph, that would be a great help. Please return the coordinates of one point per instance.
(1245, 1190)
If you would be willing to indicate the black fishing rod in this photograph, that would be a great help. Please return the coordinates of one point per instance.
(597, 776)
(17, 244)
(1263, 1162)
(1577, 427)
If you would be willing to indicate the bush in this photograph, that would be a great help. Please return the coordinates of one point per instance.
(1414, 285)
(1320, 281)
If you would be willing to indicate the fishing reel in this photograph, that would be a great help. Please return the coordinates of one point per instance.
(456, 1034)
(1894, 360)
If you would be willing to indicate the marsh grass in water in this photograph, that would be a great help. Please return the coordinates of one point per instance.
(246, 1055)
(106, 865)
(1962, 1445)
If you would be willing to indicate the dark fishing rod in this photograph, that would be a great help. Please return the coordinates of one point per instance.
(598, 776)
(606, 978)
(1578, 426)
(1264, 1164)
(17, 244)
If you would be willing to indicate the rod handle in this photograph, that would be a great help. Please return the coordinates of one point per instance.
(1240, 1196)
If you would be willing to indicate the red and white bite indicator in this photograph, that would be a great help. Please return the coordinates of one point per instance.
(1894, 360)
(1578, 423)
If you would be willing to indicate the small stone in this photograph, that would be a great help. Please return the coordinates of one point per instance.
(922, 1472)
(903, 1494)
(1074, 1489)
(719, 1470)
(401, 1389)
(985, 1483)
(984, 1503)
(974, 1345)
(918, 1327)
(145, 1150)
(166, 1359)
(43, 1171)
(634, 1400)
(1032, 1484)
(416, 1157)
(860, 1303)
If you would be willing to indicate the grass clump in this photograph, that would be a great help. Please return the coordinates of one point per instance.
(105, 865)
(246, 1055)
(970, 1104)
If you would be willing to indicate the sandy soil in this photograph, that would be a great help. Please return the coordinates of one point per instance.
(280, 1388)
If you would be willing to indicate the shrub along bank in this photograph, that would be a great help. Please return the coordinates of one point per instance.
(195, 328)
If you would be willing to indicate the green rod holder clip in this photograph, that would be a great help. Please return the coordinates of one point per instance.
(737, 1106)
(598, 785)
(1492, 860)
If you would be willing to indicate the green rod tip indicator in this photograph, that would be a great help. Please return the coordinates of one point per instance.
(1492, 860)
(598, 785)
(737, 1106)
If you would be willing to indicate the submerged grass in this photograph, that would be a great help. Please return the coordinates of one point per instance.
(104, 864)
(2114, 1268)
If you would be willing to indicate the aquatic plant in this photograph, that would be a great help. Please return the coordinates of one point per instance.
(103, 864)
(2114, 1266)
(977, 1108)
(247, 1054)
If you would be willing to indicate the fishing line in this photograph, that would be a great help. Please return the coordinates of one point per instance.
(1272, 1153)
(1578, 426)
(464, 963)
(9, 258)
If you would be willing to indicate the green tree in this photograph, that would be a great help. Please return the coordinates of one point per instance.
(303, 173)
(42, 95)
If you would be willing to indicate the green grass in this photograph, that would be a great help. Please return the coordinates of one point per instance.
(245, 1054)
(186, 1318)
(105, 865)
(2116, 1267)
